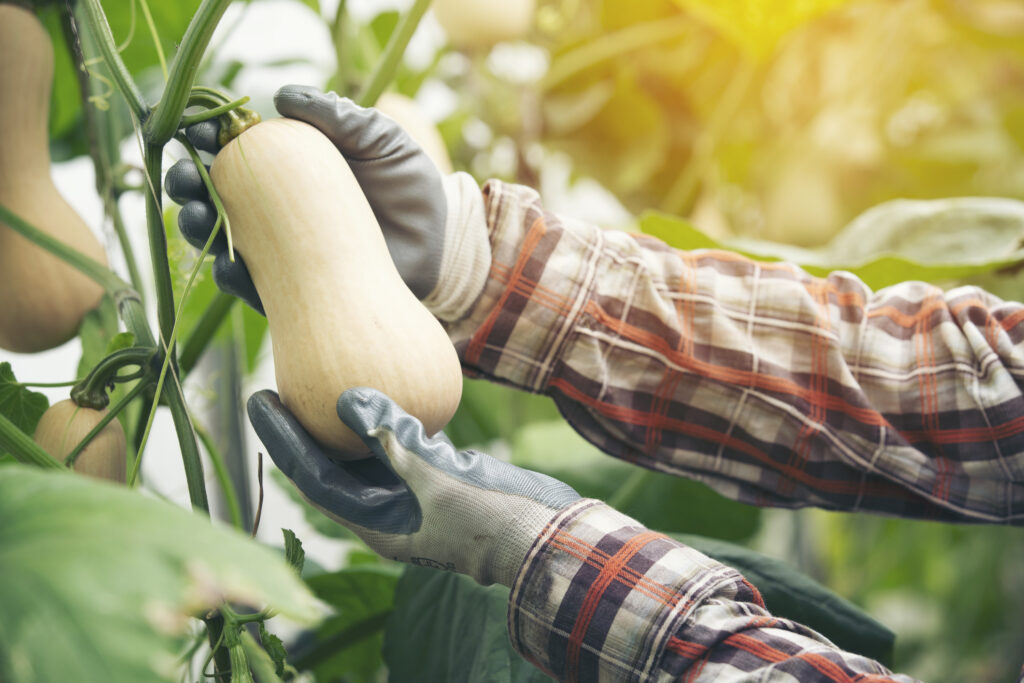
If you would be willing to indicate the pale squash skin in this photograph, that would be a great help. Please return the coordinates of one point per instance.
(339, 314)
(482, 23)
(406, 113)
(42, 299)
(64, 424)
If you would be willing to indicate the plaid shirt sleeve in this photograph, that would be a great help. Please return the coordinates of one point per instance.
(601, 598)
(771, 386)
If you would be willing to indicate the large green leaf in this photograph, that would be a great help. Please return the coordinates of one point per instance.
(933, 241)
(447, 627)
(668, 503)
(19, 404)
(791, 594)
(347, 646)
(97, 582)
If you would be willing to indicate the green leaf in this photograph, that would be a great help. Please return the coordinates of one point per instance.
(274, 647)
(121, 340)
(293, 552)
(99, 582)
(347, 646)
(792, 595)
(447, 627)
(19, 404)
(932, 241)
(668, 503)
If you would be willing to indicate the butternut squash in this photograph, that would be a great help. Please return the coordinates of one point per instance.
(482, 23)
(42, 299)
(64, 424)
(339, 314)
(407, 114)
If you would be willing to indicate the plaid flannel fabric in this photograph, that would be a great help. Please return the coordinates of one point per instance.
(601, 598)
(772, 386)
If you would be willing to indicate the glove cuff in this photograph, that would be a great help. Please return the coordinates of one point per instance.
(466, 258)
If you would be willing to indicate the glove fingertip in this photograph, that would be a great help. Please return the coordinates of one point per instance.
(204, 135)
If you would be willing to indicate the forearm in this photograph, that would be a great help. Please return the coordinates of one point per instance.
(771, 386)
(602, 598)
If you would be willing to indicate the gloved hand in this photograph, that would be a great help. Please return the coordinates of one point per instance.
(402, 184)
(417, 500)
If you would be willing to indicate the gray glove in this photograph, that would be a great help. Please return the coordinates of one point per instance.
(400, 181)
(417, 500)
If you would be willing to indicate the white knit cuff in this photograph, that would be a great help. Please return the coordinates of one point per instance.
(466, 258)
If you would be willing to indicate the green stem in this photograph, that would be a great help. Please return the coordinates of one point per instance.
(114, 211)
(94, 385)
(223, 478)
(631, 489)
(212, 113)
(204, 330)
(162, 125)
(112, 58)
(386, 68)
(95, 270)
(22, 447)
(153, 162)
(110, 415)
(339, 38)
(156, 37)
(259, 660)
(219, 654)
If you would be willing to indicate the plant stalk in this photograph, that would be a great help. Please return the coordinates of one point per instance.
(166, 118)
(386, 68)
(205, 329)
(112, 58)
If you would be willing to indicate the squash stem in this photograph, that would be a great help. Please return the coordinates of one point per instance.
(91, 391)
(387, 67)
(190, 119)
(69, 461)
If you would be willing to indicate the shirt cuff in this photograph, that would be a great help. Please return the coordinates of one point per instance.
(600, 595)
(466, 258)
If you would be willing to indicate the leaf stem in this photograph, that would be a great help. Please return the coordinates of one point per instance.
(22, 447)
(212, 113)
(223, 478)
(95, 270)
(112, 58)
(193, 347)
(91, 391)
(386, 68)
(110, 415)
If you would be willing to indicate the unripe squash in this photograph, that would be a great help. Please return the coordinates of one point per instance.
(42, 299)
(406, 113)
(64, 424)
(339, 314)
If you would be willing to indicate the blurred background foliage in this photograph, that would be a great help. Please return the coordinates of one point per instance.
(738, 120)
